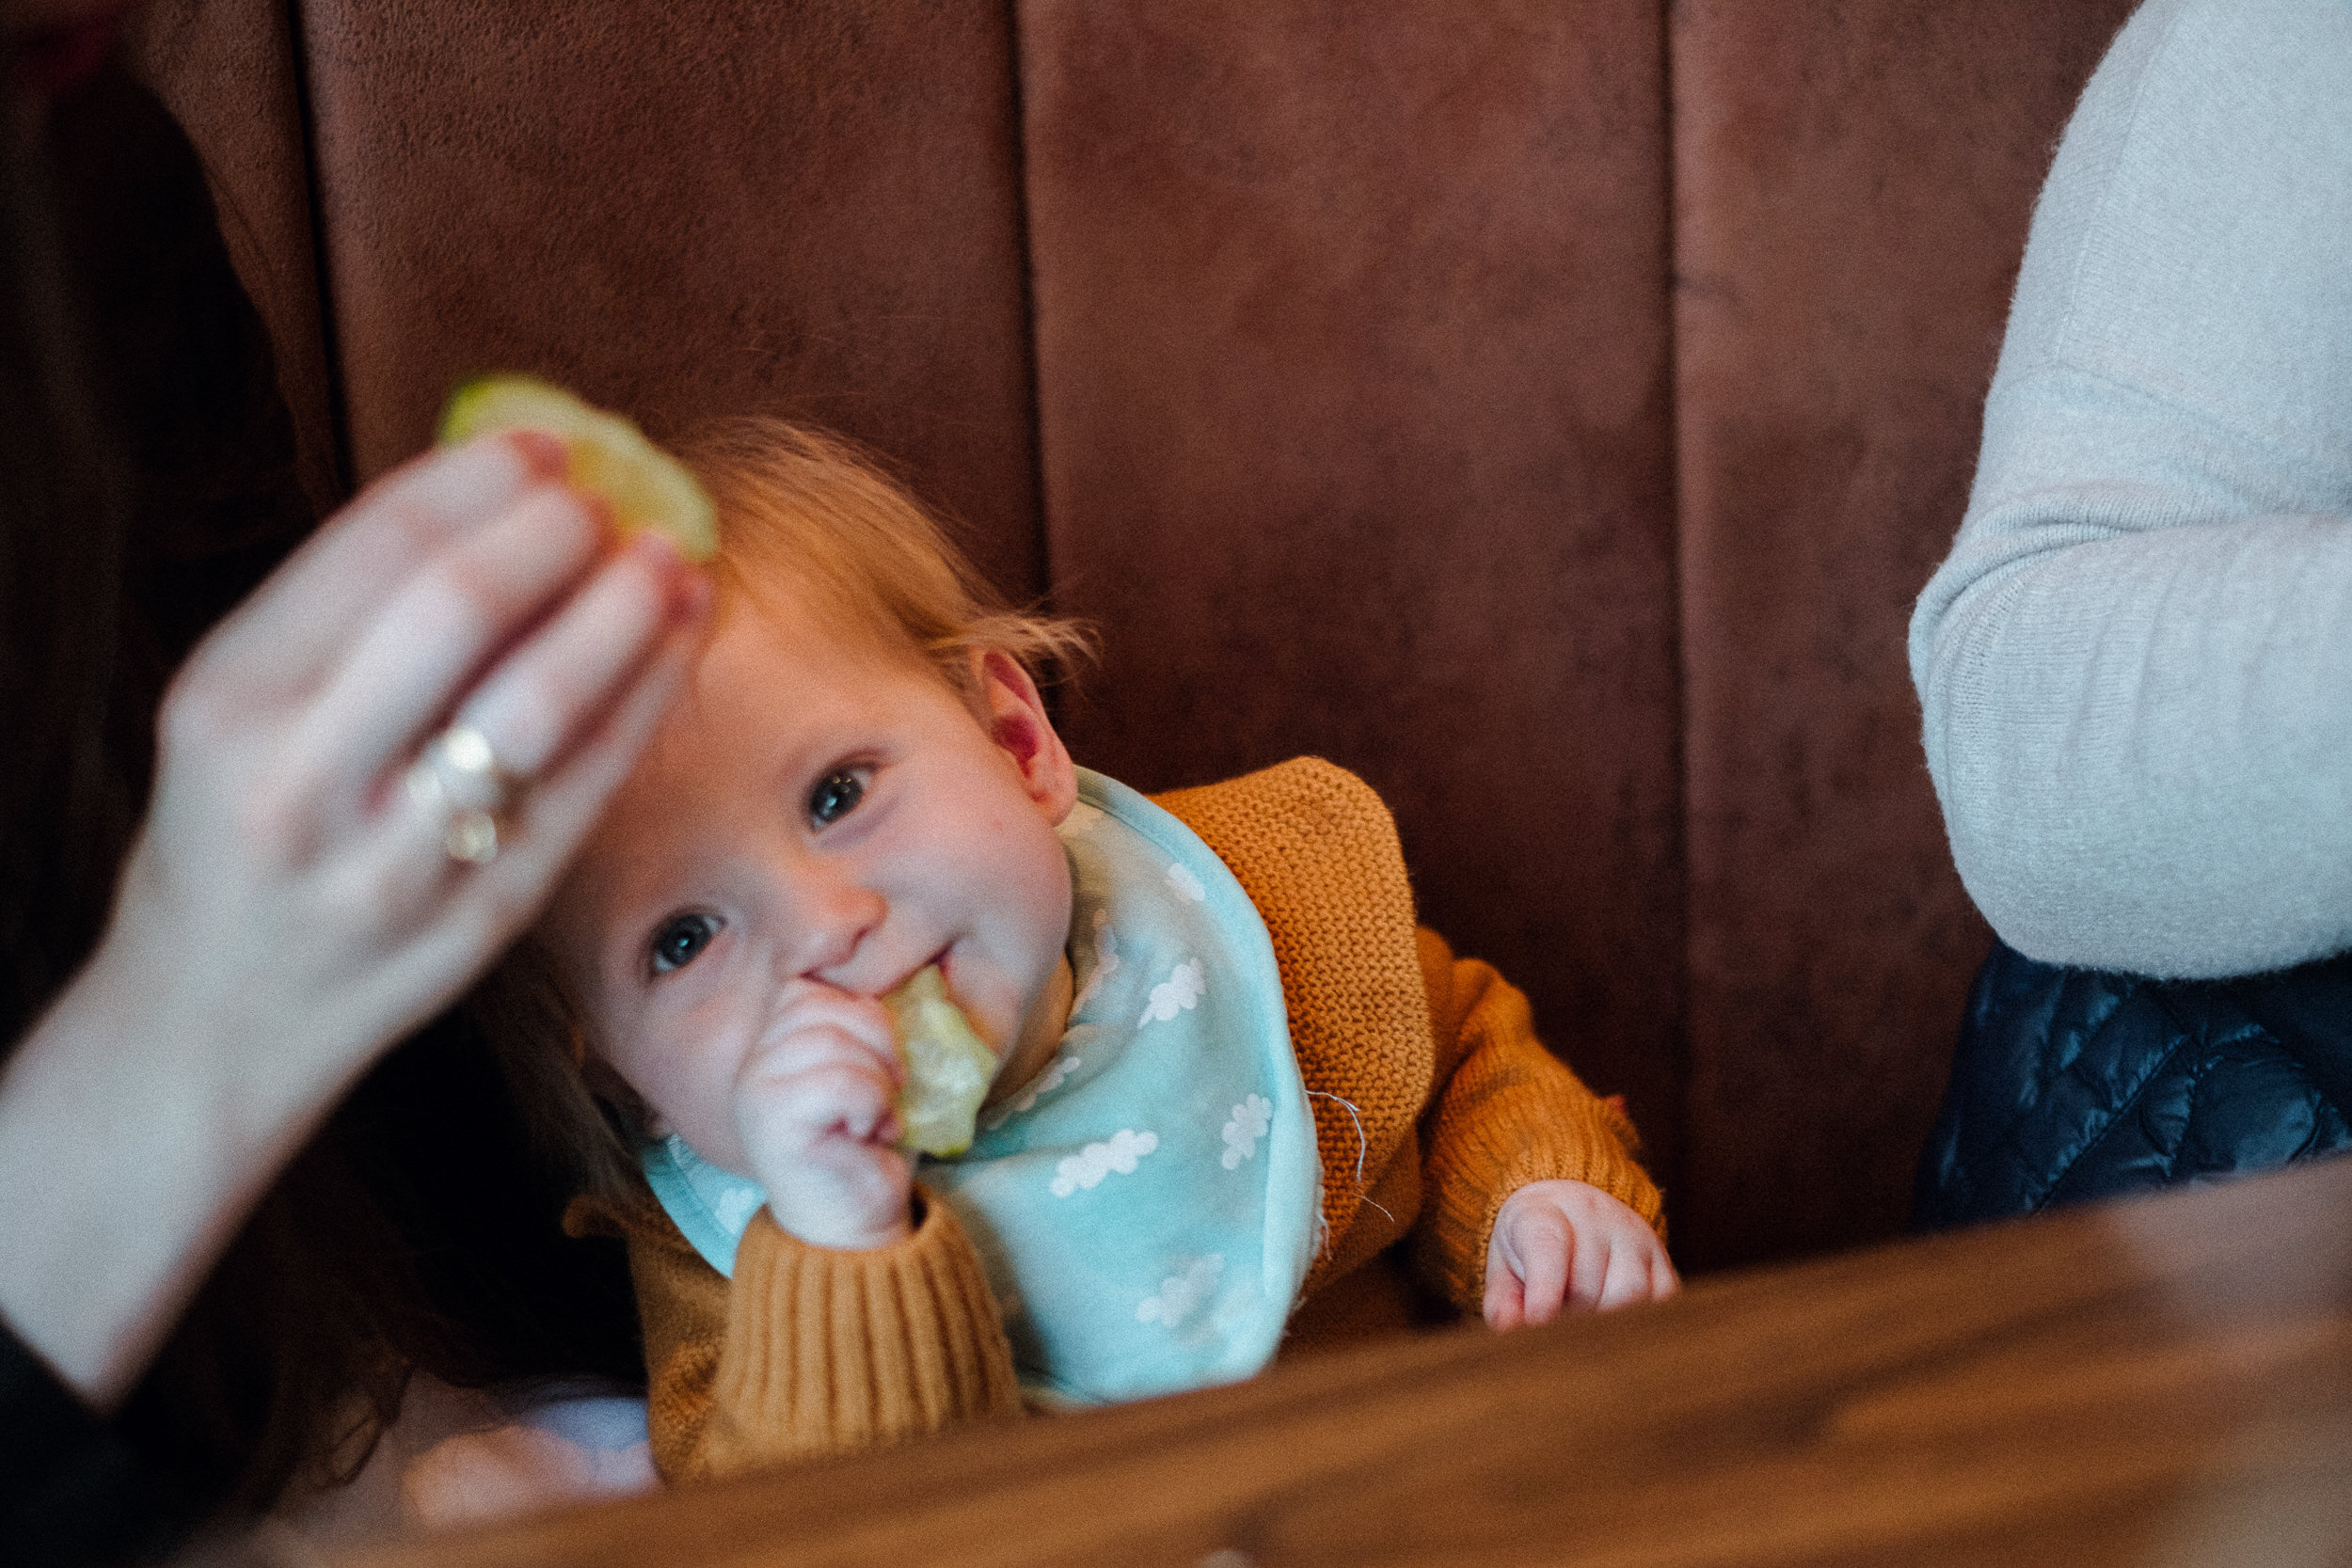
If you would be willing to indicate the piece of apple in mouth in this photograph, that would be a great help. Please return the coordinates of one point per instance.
(950, 1068)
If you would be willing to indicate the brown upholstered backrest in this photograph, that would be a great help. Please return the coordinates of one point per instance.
(1547, 409)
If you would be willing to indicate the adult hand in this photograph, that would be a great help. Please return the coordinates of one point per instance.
(1568, 1244)
(288, 911)
(815, 1111)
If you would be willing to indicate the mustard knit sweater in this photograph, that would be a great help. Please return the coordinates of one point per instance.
(807, 1351)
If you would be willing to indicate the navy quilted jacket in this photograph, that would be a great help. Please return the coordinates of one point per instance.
(2071, 1084)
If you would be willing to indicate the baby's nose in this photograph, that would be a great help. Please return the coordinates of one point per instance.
(836, 916)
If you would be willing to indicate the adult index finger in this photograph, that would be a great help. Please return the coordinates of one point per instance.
(408, 668)
(290, 632)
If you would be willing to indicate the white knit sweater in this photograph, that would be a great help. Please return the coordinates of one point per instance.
(2136, 665)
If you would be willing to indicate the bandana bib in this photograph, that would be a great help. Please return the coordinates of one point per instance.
(1146, 1207)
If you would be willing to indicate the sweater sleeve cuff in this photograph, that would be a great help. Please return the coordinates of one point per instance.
(1583, 1146)
(828, 1350)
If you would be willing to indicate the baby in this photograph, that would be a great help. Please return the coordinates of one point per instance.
(1241, 1103)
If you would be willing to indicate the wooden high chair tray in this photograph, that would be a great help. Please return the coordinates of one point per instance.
(2166, 1380)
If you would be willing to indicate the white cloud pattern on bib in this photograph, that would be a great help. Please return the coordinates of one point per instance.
(1087, 1168)
(1249, 1123)
(1180, 992)
(1180, 1294)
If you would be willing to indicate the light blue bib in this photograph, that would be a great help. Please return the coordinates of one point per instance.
(1146, 1207)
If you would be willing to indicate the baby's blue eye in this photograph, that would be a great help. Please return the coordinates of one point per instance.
(679, 939)
(836, 795)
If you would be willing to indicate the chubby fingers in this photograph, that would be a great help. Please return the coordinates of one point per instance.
(1505, 1305)
(1528, 1262)
(1566, 1245)
(1629, 1262)
(1639, 1270)
(815, 1112)
(831, 1068)
(829, 1091)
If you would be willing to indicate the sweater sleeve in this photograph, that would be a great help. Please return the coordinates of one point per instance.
(809, 1351)
(2133, 666)
(1505, 1112)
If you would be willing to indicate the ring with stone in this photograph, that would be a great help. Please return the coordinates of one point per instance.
(458, 776)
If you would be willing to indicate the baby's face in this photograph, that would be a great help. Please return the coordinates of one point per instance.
(814, 812)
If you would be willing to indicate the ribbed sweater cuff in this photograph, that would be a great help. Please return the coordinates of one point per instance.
(827, 1350)
(1580, 1142)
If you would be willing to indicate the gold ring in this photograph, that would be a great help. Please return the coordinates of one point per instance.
(458, 776)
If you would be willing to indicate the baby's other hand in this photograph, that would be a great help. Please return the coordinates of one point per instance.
(816, 1109)
(1568, 1244)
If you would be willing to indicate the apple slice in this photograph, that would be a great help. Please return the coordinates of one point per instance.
(646, 486)
(948, 1066)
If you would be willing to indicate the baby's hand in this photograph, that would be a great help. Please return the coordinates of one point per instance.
(815, 1109)
(1570, 1243)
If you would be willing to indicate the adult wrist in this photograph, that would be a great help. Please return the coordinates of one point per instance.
(134, 1139)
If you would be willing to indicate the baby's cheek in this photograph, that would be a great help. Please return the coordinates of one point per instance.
(686, 1087)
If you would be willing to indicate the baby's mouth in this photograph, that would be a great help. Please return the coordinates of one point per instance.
(943, 961)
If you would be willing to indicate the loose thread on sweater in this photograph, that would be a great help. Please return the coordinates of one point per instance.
(1363, 1146)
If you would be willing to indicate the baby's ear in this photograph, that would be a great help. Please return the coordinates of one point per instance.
(1012, 713)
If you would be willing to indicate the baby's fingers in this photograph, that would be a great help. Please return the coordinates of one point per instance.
(814, 1012)
(817, 1083)
(1638, 1268)
(1528, 1266)
(1553, 1265)
(842, 1100)
(1506, 1305)
(815, 1116)
(1627, 1279)
(1659, 1279)
(1595, 1256)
